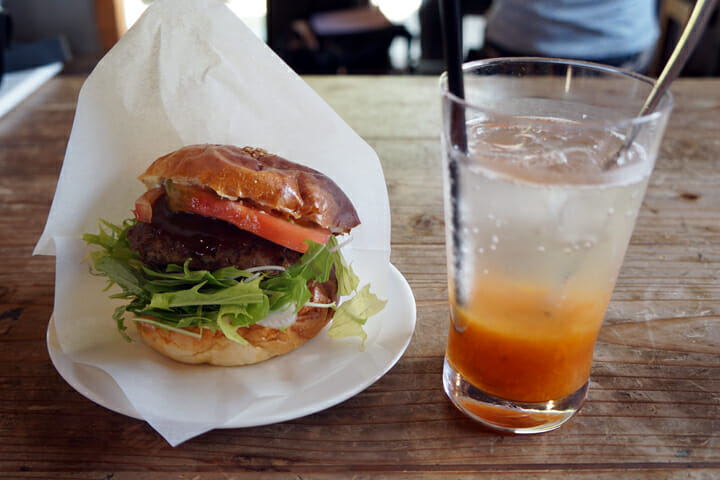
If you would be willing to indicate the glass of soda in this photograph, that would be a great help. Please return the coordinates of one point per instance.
(545, 165)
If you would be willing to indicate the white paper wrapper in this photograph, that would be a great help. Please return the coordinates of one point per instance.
(191, 72)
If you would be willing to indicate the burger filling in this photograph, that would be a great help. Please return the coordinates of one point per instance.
(269, 225)
(209, 244)
(178, 269)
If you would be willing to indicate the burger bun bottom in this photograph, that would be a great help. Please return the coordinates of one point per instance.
(215, 348)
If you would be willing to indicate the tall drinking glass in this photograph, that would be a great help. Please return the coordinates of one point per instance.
(545, 167)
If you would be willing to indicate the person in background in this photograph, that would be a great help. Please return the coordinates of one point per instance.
(621, 33)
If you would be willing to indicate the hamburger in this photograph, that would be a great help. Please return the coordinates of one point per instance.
(233, 257)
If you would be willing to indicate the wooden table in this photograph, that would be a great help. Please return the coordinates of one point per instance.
(654, 406)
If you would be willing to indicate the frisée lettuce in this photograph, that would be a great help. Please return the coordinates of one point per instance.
(224, 299)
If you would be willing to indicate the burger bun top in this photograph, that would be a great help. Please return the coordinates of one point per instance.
(267, 181)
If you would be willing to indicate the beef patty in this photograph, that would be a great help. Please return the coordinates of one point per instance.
(173, 237)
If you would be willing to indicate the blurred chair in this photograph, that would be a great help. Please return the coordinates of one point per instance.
(705, 60)
(332, 36)
(431, 35)
(48, 31)
(89, 26)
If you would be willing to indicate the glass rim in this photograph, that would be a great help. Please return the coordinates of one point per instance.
(664, 107)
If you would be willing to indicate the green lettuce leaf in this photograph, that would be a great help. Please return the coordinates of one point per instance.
(224, 299)
(347, 280)
(352, 314)
(238, 294)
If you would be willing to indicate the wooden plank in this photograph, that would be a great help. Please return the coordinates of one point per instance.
(653, 410)
(110, 20)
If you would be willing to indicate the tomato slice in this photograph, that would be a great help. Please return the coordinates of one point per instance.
(144, 204)
(269, 227)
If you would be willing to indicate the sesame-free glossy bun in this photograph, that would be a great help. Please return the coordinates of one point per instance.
(263, 343)
(268, 181)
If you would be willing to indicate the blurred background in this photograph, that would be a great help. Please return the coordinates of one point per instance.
(398, 37)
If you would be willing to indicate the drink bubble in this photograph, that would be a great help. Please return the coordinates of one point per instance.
(551, 149)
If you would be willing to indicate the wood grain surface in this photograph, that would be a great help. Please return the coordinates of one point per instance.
(654, 405)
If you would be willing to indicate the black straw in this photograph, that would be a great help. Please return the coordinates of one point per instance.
(452, 43)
